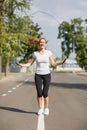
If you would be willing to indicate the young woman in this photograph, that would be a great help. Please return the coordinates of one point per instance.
(43, 59)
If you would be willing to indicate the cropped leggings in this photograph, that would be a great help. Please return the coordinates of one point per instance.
(42, 83)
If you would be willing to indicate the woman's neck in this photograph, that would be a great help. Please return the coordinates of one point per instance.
(42, 51)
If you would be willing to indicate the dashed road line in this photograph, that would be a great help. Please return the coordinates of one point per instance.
(13, 88)
(9, 91)
(4, 95)
(19, 85)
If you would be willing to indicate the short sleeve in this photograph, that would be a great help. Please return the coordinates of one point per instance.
(49, 53)
(34, 54)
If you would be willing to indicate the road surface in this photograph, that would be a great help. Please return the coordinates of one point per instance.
(67, 103)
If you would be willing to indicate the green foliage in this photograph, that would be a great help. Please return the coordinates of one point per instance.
(28, 53)
(74, 38)
(65, 32)
(81, 56)
(15, 30)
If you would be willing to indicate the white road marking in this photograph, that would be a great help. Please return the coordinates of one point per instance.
(13, 88)
(4, 95)
(40, 124)
(9, 91)
(20, 84)
(17, 86)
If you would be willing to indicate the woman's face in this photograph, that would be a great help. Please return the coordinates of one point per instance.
(43, 44)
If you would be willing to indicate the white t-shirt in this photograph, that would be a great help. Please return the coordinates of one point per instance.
(42, 62)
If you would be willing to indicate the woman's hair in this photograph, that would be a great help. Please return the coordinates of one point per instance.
(42, 39)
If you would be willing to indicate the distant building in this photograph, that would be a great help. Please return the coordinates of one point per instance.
(70, 65)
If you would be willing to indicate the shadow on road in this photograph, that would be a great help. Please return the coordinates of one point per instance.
(82, 86)
(31, 83)
(16, 110)
(69, 85)
(63, 85)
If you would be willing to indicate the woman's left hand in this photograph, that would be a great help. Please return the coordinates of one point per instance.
(64, 61)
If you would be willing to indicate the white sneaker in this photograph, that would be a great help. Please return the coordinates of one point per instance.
(46, 111)
(40, 111)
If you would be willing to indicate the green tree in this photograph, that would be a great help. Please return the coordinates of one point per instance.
(74, 38)
(65, 33)
(8, 16)
(81, 56)
(32, 43)
(2, 31)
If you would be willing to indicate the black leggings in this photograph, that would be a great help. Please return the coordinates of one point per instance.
(42, 83)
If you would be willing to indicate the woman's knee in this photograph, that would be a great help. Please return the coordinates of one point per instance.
(45, 94)
(39, 95)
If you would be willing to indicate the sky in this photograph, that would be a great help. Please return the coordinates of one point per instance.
(50, 13)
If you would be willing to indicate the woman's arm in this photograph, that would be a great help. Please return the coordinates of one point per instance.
(53, 63)
(31, 61)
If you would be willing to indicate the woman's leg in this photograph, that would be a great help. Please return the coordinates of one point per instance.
(39, 99)
(46, 102)
(46, 83)
(38, 83)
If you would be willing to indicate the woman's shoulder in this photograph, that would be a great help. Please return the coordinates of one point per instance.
(35, 52)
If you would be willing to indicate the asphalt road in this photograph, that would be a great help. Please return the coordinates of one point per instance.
(67, 103)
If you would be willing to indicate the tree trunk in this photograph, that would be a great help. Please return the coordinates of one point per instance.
(7, 67)
(0, 67)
